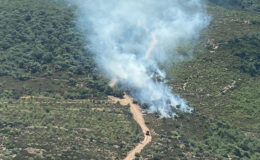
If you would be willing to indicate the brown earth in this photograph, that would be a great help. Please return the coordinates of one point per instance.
(138, 117)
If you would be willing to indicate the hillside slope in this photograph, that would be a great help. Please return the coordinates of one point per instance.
(222, 83)
(53, 101)
(53, 98)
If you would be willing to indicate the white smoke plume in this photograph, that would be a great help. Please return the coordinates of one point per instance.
(130, 38)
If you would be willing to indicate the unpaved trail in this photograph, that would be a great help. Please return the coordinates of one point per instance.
(138, 117)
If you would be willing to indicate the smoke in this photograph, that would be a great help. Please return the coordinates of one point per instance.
(132, 38)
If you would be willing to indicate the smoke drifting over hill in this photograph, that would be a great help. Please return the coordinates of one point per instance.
(130, 38)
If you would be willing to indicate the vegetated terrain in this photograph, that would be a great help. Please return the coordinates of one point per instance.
(53, 99)
(49, 128)
(248, 5)
(42, 52)
(222, 83)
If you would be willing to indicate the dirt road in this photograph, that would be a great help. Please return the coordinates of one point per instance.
(138, 117)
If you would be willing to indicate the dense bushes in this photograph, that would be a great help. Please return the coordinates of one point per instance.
(38, 37)
(227, 141)
(224, 126)
(247, 49)
(238, 4)
(40, 42)
(197, 137)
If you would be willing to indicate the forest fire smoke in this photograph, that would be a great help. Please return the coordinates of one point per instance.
(152, 46)
(131, 38)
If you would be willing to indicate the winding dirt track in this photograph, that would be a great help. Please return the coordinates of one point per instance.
(138, 117)
(135, 109)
